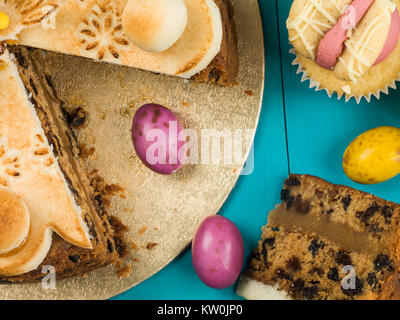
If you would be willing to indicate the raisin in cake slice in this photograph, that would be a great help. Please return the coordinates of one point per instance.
(39, 166)
(108, 31)
(326, 241)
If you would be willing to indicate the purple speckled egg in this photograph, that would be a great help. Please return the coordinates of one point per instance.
(155, 133)
(217, 252)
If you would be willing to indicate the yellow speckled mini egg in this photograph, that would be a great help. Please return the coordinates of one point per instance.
(4, 21)
(374, 156)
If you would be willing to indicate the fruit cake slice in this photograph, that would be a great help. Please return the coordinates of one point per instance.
(39, 164)
(224, 68)
(326, 241)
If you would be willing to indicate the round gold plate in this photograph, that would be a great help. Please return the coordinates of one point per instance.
(162, 212)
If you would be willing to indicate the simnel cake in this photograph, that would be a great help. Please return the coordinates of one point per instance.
(184, 38)
(326, 241)
(49, 211)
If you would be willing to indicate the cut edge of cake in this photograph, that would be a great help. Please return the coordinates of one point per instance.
(224, 68)
(291, 262)
(106, 232)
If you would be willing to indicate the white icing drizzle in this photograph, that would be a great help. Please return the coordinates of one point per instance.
(306, 19)
(357, 49)
(321, 9)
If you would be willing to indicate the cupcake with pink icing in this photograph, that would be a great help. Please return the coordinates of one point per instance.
(347, 47)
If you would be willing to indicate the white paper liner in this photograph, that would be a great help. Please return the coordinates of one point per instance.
(317, 85)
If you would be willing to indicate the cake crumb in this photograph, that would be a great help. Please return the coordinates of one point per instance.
(78, 119)
(151, 245)
(250, 93)
(185, 104)
(112, 189)
(134, 246)
(142, 231)
(84, 152)
(124, 271)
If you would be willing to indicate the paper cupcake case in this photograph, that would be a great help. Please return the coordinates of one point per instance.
(317, 85)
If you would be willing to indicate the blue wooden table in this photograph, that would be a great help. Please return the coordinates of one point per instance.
(300, 131)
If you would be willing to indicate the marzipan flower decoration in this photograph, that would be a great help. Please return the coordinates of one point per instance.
(102, 33)
(26, 13)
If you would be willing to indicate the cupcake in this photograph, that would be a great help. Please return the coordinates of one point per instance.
(348, 47)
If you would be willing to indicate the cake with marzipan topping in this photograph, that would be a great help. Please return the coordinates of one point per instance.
(326, 241)
(66, 228)
(51, 213)
(108, 31)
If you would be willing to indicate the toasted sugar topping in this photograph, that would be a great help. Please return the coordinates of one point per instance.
(27, 13)
(154, 25)
(94, 29)
(82, 3)
(9, 163)
(101, 33)
(14, 221)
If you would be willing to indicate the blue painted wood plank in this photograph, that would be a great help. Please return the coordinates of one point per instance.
(319, 128)
(253, 196)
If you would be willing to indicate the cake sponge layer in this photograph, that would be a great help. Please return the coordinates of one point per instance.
(327, 242)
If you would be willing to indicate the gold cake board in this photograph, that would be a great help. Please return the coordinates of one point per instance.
(162, 212)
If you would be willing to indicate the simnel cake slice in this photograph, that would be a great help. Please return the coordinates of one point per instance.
(48, 208)
(132, 32)
(326, 241)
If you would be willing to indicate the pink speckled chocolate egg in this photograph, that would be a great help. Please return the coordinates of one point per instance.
(155, 136)
(217, 252)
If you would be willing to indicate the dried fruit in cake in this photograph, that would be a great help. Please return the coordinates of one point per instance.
(374, 156)
(343, 247)
(346, 46)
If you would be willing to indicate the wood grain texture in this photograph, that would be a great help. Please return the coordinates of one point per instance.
(319, 129)
(253, 195)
